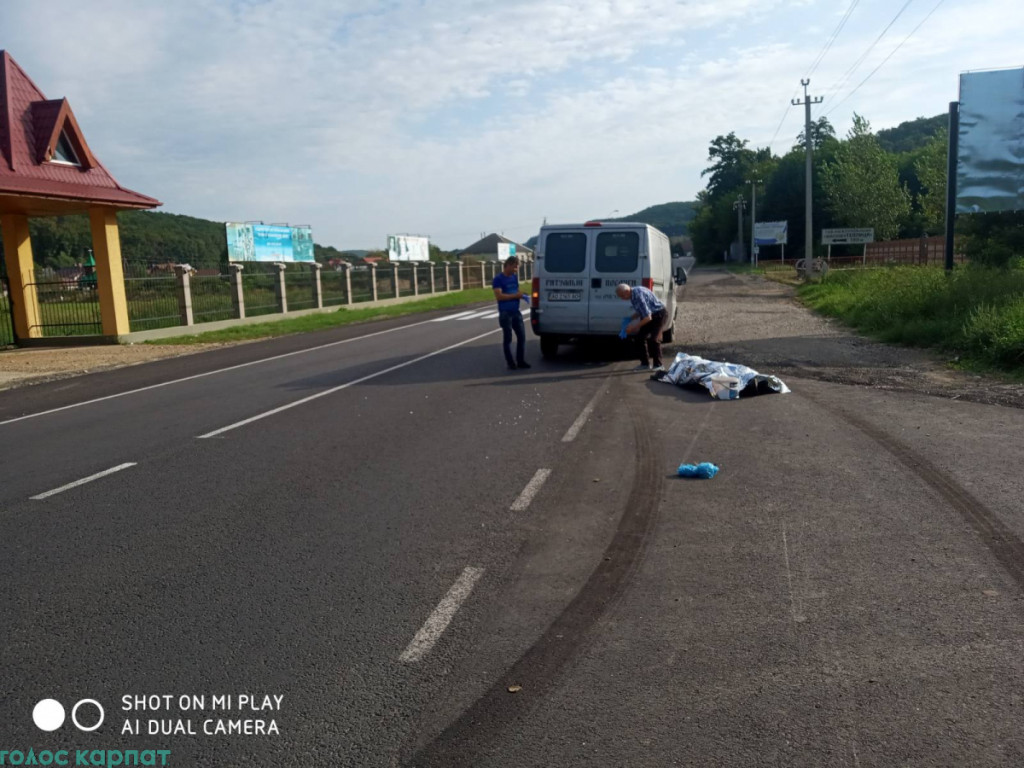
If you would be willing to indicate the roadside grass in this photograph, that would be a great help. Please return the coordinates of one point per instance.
(975, 312)
(343, 316)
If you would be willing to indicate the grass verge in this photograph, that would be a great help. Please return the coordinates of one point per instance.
(975, 312)
(343, 316)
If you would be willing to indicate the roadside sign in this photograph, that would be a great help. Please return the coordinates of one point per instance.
(847, 236)
(771, 233)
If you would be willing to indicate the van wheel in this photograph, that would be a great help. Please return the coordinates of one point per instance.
(666, 336)
(548, 346)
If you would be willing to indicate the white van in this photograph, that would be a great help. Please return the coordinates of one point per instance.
(576, 271)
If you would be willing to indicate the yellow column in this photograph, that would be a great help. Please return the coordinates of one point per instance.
(20, 272)
(106, 246)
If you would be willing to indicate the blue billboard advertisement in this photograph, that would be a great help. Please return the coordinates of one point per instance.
(269, 242)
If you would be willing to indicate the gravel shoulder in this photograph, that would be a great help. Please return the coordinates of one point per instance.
(757, 322)
(21, 367)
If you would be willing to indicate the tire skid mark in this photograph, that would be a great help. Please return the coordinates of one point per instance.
(1005, 545)
(537, 670)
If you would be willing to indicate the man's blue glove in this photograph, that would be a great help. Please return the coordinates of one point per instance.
(525, 298)
(625, 324)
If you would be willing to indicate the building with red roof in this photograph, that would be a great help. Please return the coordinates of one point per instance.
(48, 169)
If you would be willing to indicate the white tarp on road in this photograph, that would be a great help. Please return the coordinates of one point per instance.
(724, 381)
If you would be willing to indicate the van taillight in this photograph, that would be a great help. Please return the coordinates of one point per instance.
(648, 283)
(592, 224)
(535, 293)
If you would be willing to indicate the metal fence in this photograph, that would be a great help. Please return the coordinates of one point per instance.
(917, 251)
(68, 303)
(6, 313)
(156, 294)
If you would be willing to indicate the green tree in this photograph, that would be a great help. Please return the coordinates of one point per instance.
(822, 133)
(862, 185)
(731, 165)
(930, 166)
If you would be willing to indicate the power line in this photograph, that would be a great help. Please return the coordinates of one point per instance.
(832, 39)
(919, 25)
(860, 59)
(814, 65)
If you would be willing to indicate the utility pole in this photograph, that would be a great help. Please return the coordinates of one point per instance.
(740, 205)
(753, 219)
(808, 142)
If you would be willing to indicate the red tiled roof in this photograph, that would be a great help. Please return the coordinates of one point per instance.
(30, 126)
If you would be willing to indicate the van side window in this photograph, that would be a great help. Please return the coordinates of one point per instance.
(617, 252)
(565, 252)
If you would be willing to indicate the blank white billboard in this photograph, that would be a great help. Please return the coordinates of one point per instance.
(408, 248)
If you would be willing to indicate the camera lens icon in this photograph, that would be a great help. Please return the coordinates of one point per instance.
(49, 715)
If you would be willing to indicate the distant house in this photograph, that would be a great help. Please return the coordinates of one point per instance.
(487, 248)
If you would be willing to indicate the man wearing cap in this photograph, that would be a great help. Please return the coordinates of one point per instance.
(506, 291)
(648, 318)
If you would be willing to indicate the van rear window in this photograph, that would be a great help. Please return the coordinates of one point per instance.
(617, 252)
(565, 252)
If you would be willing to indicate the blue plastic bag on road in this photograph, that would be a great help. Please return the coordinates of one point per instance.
(705, 470)
(625, 323)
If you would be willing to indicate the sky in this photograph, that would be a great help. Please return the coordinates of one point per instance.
(460, 118)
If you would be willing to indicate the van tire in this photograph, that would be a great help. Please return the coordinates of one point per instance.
(548, 346)
(666, 335)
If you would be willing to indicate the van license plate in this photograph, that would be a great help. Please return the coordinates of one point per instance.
(563, 295)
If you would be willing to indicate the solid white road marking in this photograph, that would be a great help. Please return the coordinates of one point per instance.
(577, 425)
(212, 373)
(438, 621)
(489, 316)
(340, 387)
(521, 503)
(452, 317)
(85, 480)
(477, 315)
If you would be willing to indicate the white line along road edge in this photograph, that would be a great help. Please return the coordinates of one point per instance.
(577, 425)
(521, 503)
(218, 370)
(84, 480)
(438, 621)
(332, 390)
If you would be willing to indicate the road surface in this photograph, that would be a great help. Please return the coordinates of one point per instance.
(400, 553)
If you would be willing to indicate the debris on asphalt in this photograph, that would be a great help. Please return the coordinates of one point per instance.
(515, 688)
(705, 470)
(724, 381)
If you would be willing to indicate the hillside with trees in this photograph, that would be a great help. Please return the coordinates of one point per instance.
(893, 181)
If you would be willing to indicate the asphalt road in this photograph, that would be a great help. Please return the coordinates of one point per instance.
(438, 562)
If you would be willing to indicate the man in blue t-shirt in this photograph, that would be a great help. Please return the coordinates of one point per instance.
(506, 291)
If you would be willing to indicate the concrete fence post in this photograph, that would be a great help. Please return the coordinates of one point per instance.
(447, 277)
(433, 284)
(395, 281)
(483, 274)
(415, 282)
(184, 274)
(348, 282)
(281, 289)
(373, 282)
(237, 291)
(462, 276)
(318, 286)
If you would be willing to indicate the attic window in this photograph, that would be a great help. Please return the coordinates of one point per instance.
(63, 152)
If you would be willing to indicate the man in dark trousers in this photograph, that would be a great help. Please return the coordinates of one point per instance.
(506, 291)
(649, 316)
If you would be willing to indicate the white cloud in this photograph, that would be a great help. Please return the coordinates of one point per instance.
(454, 118)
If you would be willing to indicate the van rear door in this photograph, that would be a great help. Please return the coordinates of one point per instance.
(563, 275)
(618, 256)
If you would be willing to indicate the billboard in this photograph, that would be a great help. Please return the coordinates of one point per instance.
(505, 250)
(847, 236)
(990, 160)
(771, 233)
(269, 242)
(408, 248)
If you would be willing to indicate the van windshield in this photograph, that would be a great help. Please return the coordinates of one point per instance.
(617, 252)
(565, 252)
